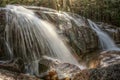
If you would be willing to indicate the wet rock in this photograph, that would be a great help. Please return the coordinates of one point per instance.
(46, 63)
(57, 70)
(105, 59)
(66, 70)
(9, 75)
(50, 75)
(107, 73)
(77, 35)
(16, 65)
(91, 60)
(108, 58)
(63, 71)
(49, 61)
(14, 70)
(82, 39)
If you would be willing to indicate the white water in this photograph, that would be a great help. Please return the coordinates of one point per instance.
(105, 41)
(30, 38)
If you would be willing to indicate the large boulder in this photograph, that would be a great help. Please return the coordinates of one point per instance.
(56, 69)
(73, 29)
(63, 71)
(106, 73)
(82, 39)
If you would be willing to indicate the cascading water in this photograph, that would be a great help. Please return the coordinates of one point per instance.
(106, 42)
(29, 37)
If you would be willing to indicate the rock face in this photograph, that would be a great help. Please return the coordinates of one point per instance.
(82, 39)
(78, 35)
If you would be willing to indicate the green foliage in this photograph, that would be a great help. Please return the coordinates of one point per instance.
(100, 10)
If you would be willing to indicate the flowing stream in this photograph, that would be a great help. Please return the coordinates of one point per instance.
(105, 41)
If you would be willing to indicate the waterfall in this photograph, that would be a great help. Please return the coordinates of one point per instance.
(30, 37)
(105, 41)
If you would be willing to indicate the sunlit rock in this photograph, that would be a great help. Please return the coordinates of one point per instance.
(108, 58)
(105, 59)
(57, 69)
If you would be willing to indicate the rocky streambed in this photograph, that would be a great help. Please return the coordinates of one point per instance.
(108, 68)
